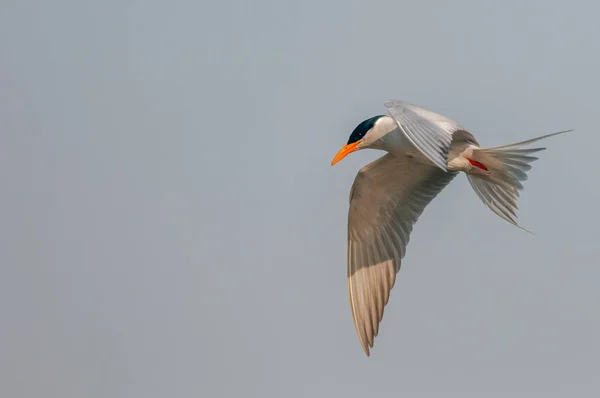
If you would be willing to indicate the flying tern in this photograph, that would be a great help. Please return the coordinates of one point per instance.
(425, 151)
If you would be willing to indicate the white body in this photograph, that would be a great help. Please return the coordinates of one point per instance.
(388, 136)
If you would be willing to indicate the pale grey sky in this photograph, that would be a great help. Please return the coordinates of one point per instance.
(171, 227)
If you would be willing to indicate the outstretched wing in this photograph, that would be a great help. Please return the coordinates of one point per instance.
(386, 199)
(429, 132)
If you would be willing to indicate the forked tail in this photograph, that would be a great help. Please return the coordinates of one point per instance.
(506, 168)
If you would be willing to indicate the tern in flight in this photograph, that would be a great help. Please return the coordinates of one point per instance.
(425, 151)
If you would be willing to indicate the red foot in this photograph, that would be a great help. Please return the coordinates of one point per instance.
(477, 164)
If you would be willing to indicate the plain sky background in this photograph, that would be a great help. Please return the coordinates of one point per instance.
(171, 225)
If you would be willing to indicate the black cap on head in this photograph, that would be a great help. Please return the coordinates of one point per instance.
(360, 130)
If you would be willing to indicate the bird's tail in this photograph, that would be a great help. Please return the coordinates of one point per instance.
(499, 174)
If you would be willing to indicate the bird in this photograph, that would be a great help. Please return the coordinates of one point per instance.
(424, 153)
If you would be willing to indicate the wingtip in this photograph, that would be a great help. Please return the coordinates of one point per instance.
(365, 346)
(367, 351)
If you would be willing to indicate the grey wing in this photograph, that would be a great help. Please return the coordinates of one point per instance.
(429, 132)
(387, 198)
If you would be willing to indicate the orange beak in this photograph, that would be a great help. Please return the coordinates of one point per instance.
(345, 151)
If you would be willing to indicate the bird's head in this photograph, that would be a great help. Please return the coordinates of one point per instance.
(365, 135)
